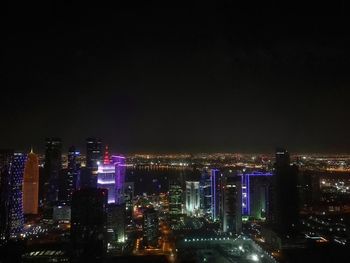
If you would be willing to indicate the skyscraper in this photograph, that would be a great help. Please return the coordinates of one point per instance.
(5, 187)
(129, 189)
(53, 167)
(205, 193)
(116, 223)
(89, 224)
(106, 177)
(93, 157)
(231, 203)
(150, 227)
(120, 168)
(16, 219)
(11, 206)
(215, 188)
(70, 178)
(31, 184)
(175, 203)
(192, 197)
(283, 194)
(255, 193)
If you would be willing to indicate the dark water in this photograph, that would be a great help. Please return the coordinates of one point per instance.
(154, 179)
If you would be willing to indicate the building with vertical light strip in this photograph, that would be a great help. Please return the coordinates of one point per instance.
(31, 184)
(120, 168)
(215, 188)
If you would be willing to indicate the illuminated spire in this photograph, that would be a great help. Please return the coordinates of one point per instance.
(31, 149)
(106, 156)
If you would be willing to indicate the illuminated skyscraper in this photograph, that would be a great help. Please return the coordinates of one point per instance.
(16, 219)
(255, 193)
(70, 178)
(52, 167)
(150, 228)
(31, 184)
(120, 168)
(231, 201)
(11, 206)
(175, 203)
(106, 177)
(129, 190)
(192, 197)
(5, 187)
(93, 157)
(215, 188)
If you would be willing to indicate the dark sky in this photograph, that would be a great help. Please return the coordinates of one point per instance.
(177, 78)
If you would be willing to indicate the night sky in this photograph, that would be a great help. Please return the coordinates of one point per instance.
(183, 78)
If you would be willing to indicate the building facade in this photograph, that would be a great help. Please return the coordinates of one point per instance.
(192, 198)
(231, 202)
(53, 169)
(89, 224)
(31, 184)
(93, 158)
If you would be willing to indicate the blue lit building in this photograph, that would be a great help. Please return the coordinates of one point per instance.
(11, 182)
(5, 187)
(255, 193)
(16, 219)
(215, 178)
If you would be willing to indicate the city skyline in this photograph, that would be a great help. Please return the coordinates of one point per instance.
(209, 131)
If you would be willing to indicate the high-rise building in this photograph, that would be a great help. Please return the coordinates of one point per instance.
(116, 223)
(175, 203)
(129, 190)
(31, 184)
(192, 197)
(283, 194)
(111, 176)
(150, 228)
(5, 188)
(89, 224)
(231, 201)
(215, 189)
(70, 178)
(120, 168)
(205, 194)
(106, 177)
(16, 219)
(255, 193)
(53, 167)
(93, 158)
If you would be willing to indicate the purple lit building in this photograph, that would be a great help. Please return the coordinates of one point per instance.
(111, 176)
(120, 168)
(106, 180)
